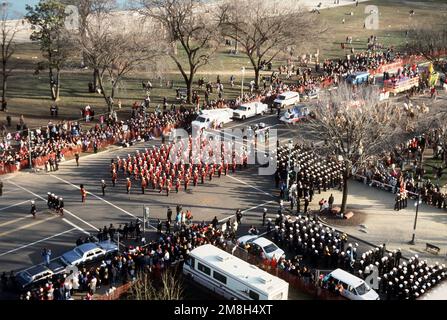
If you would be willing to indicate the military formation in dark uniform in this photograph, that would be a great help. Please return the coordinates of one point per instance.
(308, 173)
(411, 279)
(55, 203)
(400, 279)
(306, 236)
(325, 248)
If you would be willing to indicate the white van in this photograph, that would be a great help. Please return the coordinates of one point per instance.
(354, 288)
(286, 99)
(217, 117)
(231, 277)
(249, 110)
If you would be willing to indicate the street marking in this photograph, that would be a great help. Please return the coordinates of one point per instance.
(249, 209)
(251, 186)
(35, 242)
(259, 205)
(65, 210)
(28, 226)
(101, 199)
(14, 205)
(12, 221)
(9, 191)
(23, 188)
(76, 217)
(75, 226)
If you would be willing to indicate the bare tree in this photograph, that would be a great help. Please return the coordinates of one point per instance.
(267, 29)
(88, 10)
(355, 126)
(47, 19)
(169, 287)
(8, 30)
(188, 24)
(114, 49)
(429, 41)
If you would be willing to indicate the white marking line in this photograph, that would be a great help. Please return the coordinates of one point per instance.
(249, 209)
(75, 226)
(251, 186)
(14, 205)
(9, 191)
(76, 217)
(65, 210)
(12, 221)
(102, 199)
(35, 242)
(26, 226)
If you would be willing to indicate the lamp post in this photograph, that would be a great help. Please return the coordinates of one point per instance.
(418, 202)
(242, 84)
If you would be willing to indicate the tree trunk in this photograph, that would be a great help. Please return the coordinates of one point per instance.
(53, 96)
(189, 84)
(58, 85)
(95, 79)
(257, 75)
(344, 199)
(4, 81)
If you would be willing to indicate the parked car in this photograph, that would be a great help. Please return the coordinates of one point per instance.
(261, 244)
(33, 276)
(249, 110)
(296, 114)
(89, 252)
(354, 288)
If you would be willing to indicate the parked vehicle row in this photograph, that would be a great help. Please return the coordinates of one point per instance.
(85, 253)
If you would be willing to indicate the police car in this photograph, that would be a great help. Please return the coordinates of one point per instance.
(296, 114)
(32, 276)
(261, 244)
(89, 252)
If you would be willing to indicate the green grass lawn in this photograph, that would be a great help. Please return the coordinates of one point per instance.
(28, 94)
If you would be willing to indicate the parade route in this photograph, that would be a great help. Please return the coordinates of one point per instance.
(220, 197)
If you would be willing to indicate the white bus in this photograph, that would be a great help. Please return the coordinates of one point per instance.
(231, 277)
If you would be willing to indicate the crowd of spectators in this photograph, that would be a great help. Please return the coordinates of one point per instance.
(402, 170)
(171, 248)
(55, 138)
(364, 61)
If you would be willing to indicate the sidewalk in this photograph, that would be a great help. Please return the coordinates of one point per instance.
(394, 228)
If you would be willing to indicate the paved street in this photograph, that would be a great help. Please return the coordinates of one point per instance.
(22, 238)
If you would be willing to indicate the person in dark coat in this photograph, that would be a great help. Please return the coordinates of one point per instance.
(215, 222)
(33, 209)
